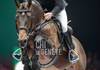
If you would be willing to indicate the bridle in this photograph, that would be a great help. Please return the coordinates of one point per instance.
(30, 31)
(22, 24)
(23, 11)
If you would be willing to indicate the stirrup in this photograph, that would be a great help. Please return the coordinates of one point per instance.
(75, 60)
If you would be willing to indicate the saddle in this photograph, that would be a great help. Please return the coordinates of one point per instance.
(61, 35)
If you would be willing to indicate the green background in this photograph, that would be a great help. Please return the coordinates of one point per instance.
(8, 37)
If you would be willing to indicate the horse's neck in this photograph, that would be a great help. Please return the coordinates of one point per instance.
(37, 14)
(36, 2)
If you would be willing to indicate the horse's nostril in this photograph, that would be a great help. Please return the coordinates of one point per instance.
(25, 41)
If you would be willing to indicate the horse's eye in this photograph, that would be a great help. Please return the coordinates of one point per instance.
(20, 12)
(25, 12)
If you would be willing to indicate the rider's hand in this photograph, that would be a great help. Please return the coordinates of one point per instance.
(48, 15)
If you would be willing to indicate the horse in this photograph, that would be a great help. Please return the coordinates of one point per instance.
(40, 40)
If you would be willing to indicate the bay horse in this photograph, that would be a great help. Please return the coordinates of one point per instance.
(37, 37)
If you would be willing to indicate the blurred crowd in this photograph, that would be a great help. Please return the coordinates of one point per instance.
(93, 61)
(5, 66)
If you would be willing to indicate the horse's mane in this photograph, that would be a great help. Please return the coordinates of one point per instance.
(37, 3)
(37, 12)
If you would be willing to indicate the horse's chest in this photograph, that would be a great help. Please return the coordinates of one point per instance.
(47, 30)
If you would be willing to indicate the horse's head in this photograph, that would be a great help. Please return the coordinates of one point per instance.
(28, 15)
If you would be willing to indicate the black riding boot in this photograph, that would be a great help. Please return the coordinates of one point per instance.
(73, 56)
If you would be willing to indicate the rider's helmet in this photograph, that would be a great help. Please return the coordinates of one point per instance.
(21, 1)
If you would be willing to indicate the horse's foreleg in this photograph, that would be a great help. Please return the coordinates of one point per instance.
(31, 49)
(27, 67)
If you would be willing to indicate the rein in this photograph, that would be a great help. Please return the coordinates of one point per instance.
(38, 28)
(24, 10)
(35, 31)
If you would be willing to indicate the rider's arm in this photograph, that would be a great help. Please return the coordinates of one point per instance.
(59, 6)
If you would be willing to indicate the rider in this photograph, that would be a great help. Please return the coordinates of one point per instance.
(57, 8)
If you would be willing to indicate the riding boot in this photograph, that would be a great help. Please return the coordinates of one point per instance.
(72, 55)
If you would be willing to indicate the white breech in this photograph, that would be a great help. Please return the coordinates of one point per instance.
(62, 17)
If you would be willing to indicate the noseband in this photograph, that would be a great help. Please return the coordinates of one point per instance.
(20, 10)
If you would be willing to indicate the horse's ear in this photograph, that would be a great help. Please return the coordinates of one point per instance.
(17, 3)
(29, 3)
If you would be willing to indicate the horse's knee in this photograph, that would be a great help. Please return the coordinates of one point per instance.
(27, 67)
